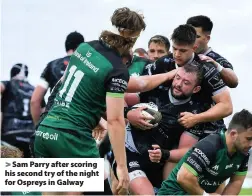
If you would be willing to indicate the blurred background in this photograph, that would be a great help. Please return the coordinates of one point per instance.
(34, 32)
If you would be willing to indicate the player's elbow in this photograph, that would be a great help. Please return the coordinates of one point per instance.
(115, 120)
(182, 180)
(228, 108)
(234, 84)
(35, 101)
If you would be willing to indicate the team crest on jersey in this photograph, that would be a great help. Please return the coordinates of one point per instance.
(89, 54)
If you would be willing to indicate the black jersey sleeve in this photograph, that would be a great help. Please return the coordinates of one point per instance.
(116, 82)
(219, 59)
(162, 65)
(5, 83)
(45, 77)
(202, 156)
(243, 168)
(212, 83)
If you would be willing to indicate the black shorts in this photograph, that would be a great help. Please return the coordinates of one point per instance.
(20, 141)
(140, 166)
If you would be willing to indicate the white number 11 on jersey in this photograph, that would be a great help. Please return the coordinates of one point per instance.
(78, 75)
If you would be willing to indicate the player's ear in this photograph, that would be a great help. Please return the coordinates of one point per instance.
(196, 89)
(195, 46)
(208, 37)
(234, 134)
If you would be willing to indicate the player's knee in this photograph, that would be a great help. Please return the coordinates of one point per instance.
(140, 184)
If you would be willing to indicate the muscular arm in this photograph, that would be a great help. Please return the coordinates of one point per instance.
(229, 77)
(222, 109)
(116, 128)
(189, 181)
(146, 83)
(185, 143)
(37, 98)
(234, 186)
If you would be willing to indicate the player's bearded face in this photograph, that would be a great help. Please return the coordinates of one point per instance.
(183, 85)
(178, 93)
(243, 142)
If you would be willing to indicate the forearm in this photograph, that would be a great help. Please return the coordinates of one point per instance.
(36, 110)
(176, 155)
(229, 77)
(116, 131)
(153, 81)
(191, 186)
(232, 189)
(147, 83)
(217, 112)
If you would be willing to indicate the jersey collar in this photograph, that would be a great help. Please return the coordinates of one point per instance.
(208, 51)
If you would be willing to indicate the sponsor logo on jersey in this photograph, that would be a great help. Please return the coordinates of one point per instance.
(211, 183)
(229, 166)
(85, 61)
(195, 164)
(135, 74)
(216, 167)
(47, 136)
(133, 164)
(199, 152)
(89, 54)
(120, 81)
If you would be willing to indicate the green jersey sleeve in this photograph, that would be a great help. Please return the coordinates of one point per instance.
(116, 82)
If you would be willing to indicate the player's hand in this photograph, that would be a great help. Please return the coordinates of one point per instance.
(172, 73)
(99, 133)
(123, 180)
(187, 119)
(155, 154)
(137, 119)
(207, 59)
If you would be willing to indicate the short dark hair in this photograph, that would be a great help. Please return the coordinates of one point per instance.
(241, 120)
(189, 68)
(184, 35)
(73, 40)
(201, 21)
(15, 70)
(160, 39)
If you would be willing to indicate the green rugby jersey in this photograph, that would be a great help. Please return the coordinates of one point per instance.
(94, 72)
(210, 162)
(138, 65)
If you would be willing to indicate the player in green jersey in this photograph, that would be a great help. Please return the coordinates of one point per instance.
(94, 82)
(213, 160)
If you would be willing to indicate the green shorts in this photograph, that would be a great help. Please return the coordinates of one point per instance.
(58, 143)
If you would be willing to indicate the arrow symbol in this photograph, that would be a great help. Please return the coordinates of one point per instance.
(7, 164)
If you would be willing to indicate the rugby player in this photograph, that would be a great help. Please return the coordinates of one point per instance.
(203, 26)
(213, 160)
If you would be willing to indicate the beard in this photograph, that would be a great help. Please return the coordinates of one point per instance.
(182, 96)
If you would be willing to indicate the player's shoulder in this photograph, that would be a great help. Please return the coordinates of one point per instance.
(62, 60)
(104, 52)
(212, 142)
(167, 59)
(214, 55)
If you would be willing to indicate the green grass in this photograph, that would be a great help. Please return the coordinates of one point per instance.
(246, 191)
